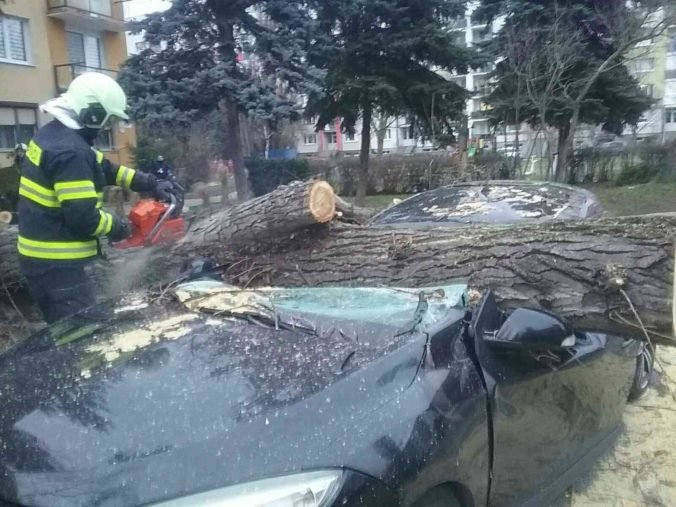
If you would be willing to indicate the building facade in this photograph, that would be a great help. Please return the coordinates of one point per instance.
(44, 45)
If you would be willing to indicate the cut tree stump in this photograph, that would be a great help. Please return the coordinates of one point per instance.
(288, 209)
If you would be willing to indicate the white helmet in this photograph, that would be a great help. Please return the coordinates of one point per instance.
(96, 98)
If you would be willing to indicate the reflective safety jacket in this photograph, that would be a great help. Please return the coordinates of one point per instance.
(61, 196)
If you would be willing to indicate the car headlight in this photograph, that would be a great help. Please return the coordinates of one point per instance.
(313, 489)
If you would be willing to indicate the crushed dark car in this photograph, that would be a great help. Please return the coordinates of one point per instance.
(492, 202)
(307, 397)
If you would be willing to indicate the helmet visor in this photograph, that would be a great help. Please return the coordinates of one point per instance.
(97, 117)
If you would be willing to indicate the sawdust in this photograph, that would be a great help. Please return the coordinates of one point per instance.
(123, 343)
(641, 469)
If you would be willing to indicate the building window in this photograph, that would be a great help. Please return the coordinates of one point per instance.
(310, 139)
(388, 134)
(17, 125)
(671, 48)
(331, 137)
(311, 121)
(84, 50)
(407, 133)
(481, 86)
(104, 141)
(350, 137)
(481, 34)
(670, 115)
(648, 89)
(13, 40)
(643, 65)
(460, 81)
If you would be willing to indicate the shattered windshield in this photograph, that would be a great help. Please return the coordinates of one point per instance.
(302, 306)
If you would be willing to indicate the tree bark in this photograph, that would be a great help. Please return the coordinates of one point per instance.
(365, 153)
(352, 213)
(233, 149)
(574, 269)
(288, 209)
(563, 150)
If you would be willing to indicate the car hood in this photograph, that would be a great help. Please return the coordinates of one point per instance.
(159, 402)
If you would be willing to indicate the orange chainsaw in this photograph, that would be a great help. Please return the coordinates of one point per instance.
(153, 223)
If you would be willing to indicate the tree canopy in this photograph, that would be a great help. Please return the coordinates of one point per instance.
(555, 49)
(245, 56)
(389, 56)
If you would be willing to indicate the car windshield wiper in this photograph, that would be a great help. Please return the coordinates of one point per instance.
(420, 311)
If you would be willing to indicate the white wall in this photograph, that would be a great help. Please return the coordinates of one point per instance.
(138, 9)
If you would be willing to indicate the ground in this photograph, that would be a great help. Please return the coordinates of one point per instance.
(641, 469)
(637, 199)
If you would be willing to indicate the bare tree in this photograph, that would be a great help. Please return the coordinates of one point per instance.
(383, 123)
(627, 27)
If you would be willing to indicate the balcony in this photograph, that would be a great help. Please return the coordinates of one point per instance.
(96, 14)
(64, 74)
(480, 115)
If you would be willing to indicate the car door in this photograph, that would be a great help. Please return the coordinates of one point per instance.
(548, 408)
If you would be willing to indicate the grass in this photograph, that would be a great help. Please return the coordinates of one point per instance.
(617, 201)
(636, 199)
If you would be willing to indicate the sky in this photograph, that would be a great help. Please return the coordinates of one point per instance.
(134, 8)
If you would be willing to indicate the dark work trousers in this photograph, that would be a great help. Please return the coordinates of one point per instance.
(62, 292)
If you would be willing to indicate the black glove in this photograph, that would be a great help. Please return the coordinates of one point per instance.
(163, 190)
(120, 231)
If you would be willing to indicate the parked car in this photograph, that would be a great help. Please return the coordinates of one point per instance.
(493, 202)
(307, 397)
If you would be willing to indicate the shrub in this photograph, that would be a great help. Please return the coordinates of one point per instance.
(266, 175)
(633, 174)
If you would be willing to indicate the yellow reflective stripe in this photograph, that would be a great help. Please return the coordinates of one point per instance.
(34, 153)
(37, 193)
(125, 176)
(57, 250)
(67, 185)
(99, 156)
(105, 224)
(71, 190)
(99, 200)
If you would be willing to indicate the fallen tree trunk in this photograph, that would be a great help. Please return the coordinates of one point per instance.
(290, 208)
(578, 270)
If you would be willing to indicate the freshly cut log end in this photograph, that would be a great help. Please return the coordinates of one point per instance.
(5, 217)
(322, 203)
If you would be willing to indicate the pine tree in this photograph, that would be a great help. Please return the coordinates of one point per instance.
(389, 57)
(239, 56)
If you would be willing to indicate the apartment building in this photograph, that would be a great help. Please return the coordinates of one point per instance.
(44, 45)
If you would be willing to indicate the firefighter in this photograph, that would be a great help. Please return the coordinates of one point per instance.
(162, 171)
(61, 220)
